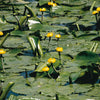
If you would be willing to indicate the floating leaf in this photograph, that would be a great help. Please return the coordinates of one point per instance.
(88, 56)
(18, 33)
(85, 58)
(75, 76)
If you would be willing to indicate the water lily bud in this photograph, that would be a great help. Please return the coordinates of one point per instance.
(1, 33)
(50, 34)
(57, 36)
(42, 9)
(51, 60)
(2, 51)
(98, 9)
(95, 12)
(59, 49)
(54, 4)
(50, 3)
(45, 69)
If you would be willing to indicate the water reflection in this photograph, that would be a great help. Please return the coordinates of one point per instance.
(28, 73)
(30, 0)
(15, 94)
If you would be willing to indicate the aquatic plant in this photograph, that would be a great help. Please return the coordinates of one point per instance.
(36, 47)
(51, 61)
(49, 35)
(1, 59)
(45, 69)
(1, 33)
(88, 62)
(42, 10)
(59, 50)
(7, 89)
(51, 4)
(58, 36)
(4, 39)
(21, 60)
(97, 16)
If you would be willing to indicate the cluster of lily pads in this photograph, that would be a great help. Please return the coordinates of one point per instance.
(53, 68)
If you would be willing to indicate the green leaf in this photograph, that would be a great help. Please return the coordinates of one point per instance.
(88, 57)
(75, 76)
(30, 10)
(39, 69)
(35, 44)
(18, 33)
(12, 97)
(21, 21)
(7, 89)
(40, 52)
(85, 58)
(2, 19)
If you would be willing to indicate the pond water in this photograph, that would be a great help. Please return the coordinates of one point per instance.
(26, 74)
(30, 0)
(13, 93)
(76, 27)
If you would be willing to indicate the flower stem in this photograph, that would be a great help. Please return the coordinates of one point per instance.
(42, 17)
(57, 42)
(7, 89)
(4, 39)
(49, 43)
(49, 75)
(54, 68)
(59, 55)
(1, 63)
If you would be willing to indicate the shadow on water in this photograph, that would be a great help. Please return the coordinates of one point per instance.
(15, 94)
(48, 51)
(26, 53)
(26, 74)
(30, 0)
(47, 15)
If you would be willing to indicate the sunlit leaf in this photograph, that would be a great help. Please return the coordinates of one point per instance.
(35, 44)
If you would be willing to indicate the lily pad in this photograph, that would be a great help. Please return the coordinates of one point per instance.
(85, 58)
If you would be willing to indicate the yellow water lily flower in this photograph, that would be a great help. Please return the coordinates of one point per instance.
(95, 12)
(42, 9)
(51, 60)
(57, 36)
(50, 3)
(59, 49)
(1, 33)
(54, 4)
(45, 69)
(50, 34)
(98, 9)
(2, 51)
